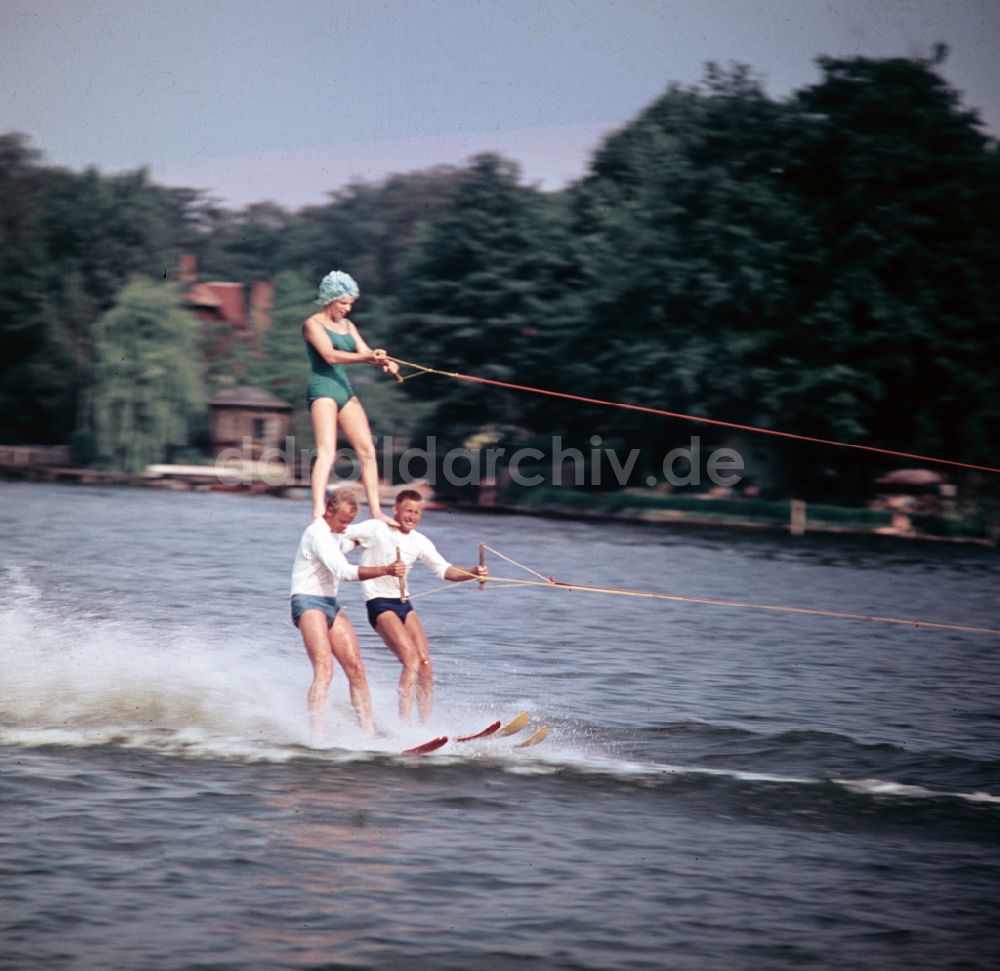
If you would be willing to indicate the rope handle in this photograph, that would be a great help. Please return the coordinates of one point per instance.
(382, 358)
(402, 581)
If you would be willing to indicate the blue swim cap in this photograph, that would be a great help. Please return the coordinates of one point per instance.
(336, 284)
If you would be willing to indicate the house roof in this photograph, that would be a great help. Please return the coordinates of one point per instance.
(201, 295)
(247, 396)
(226, 298)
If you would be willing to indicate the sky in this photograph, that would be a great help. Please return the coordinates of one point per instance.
(290, 100)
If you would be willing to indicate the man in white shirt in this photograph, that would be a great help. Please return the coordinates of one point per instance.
(387, 598)
(319, 567)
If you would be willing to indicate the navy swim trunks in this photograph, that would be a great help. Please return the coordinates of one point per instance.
(379, 605)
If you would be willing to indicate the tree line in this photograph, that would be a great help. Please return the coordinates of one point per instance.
(826, 264)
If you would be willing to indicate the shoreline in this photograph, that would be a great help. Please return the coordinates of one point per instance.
(193, 479)
(728, 524)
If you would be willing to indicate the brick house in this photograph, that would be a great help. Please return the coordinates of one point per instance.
(249, 419)
(242, 417)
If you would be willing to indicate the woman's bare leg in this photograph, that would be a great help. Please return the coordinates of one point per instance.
(354, 422)
(323, 412)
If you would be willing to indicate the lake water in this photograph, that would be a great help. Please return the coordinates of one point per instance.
(722, 788)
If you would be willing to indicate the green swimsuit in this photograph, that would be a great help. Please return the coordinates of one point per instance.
(330, 380)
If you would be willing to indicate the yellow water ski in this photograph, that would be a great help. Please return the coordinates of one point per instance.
(534, 738)
(515, 724)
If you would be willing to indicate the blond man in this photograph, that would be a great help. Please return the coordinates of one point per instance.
(327, 634)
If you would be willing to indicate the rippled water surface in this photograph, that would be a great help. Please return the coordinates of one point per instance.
(721, 788)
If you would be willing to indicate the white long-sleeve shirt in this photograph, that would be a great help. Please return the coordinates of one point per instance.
(320, 563)
(380, 543)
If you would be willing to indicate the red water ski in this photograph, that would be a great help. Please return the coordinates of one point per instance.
(423, 749)
(485, 733)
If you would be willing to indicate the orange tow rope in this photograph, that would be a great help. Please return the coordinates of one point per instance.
(551, 583)
(695, 418)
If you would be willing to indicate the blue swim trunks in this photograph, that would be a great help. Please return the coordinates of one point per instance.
(379, 605)
(301, 602)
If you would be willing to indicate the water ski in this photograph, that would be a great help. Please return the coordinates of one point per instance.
(534, 738)
(485, 733)
(425, 747)
(515, 724)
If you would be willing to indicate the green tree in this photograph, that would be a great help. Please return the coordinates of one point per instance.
(148, 390)
(474, 293)
(37, 382)
(282, 366)
(241, 246)
(903, 188)
(68, 243)
(688, 242)
(366, 229)
(827, 265)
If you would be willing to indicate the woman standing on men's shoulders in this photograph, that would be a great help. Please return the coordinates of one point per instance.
(332, 342)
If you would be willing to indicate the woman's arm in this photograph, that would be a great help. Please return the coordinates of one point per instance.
(361, 343)
(378, 356)
(315, 333)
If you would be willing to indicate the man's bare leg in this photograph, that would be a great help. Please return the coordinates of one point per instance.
(425, 675)
(343, 642)
(409, 643)
(392, 632)
(312, 626)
